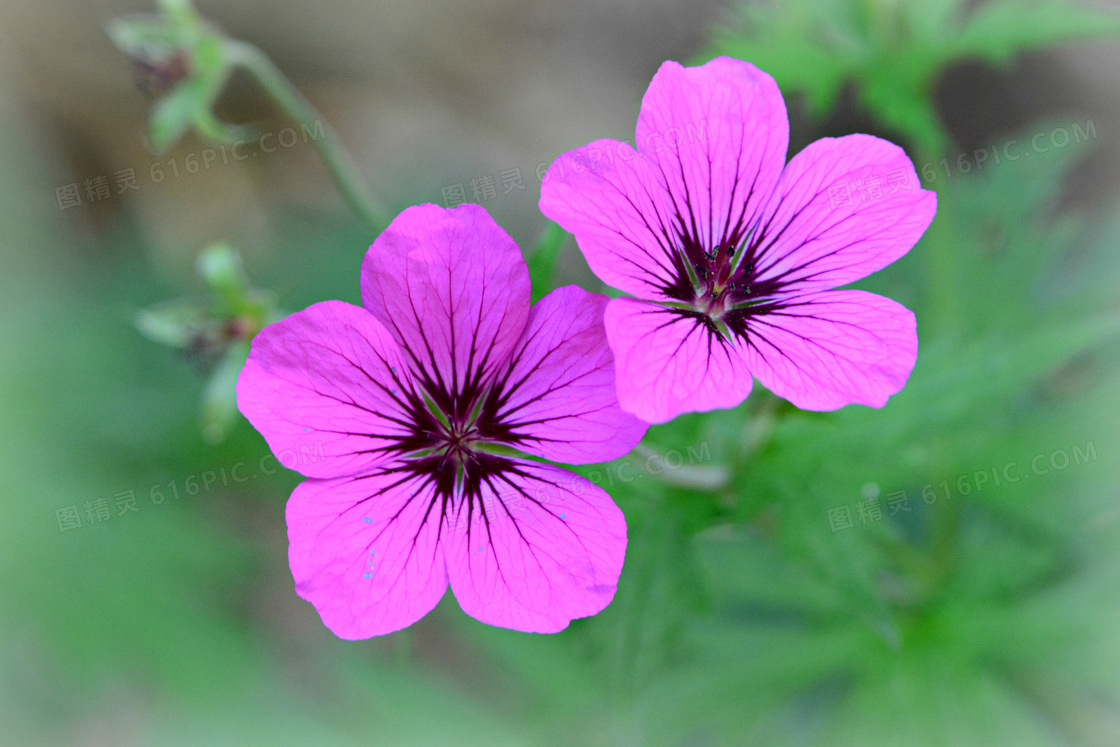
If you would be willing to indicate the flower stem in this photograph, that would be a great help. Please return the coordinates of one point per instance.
(334, 154)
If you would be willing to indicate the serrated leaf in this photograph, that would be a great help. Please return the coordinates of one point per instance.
(999, 30)
(893, 52)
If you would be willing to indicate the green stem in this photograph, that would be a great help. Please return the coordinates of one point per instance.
(330, 147)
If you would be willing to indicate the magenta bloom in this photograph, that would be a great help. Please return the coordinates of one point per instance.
(731, 254)
(405, 415)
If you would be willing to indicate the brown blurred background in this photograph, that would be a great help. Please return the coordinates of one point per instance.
(433, 94)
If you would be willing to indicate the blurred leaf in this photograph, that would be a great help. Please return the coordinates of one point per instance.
(172, 116)
(175, 323)
(219, 266)
(185, 59)
(219, 398)
(999, 29)
(543, 259)
(216, 331)
(894, 51)
(144, 36)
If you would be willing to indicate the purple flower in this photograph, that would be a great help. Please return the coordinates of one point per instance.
(412, 417)
(732, 258)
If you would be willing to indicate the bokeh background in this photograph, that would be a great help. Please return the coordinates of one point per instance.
(943, 571)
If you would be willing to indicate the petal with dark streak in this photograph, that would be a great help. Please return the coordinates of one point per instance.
(619, 213)
(716, 135)
(548, 550)
(452, 288)
(825, 350)
(324, 387)
(670, 362)
(366, 551)
(845, 207)
(559, 399)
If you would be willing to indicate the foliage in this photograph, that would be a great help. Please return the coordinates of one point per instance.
(894, 50)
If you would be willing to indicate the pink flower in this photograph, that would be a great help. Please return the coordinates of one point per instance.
(406, 415)
(731, 253)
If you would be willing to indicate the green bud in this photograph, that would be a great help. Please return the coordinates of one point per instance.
(219, 266)
(179, 55)
(171, 117)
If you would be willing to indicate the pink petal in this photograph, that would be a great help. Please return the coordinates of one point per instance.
(366, 552)
(452, 288)
(548, 550)
(668, 363)
(712, 142)
(617, 210)
(834, 218)
(322, 386)
(559, 397)
(716, 135)
(826, 350)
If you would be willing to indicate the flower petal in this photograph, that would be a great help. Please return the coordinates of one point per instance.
(559, 398)
(712, 142)
(826, 350)
(619, 213)
(668, 363)
(452, 288)
(717, 136)
(322, 386)
(844, 208)
(366, 551)
(548, 550)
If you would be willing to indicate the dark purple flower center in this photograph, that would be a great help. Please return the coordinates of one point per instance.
(718, 285)
(452, 442)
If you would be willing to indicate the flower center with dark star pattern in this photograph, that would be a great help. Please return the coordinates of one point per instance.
(451, 445)
(719, 287)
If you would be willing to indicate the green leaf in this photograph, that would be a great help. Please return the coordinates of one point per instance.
(172, 116)
(212, 128)
(999, 30)
(543, 259)
(155, 40)
(221, 270)
(894, 51)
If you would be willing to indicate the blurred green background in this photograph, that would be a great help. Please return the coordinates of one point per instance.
(943, 571)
